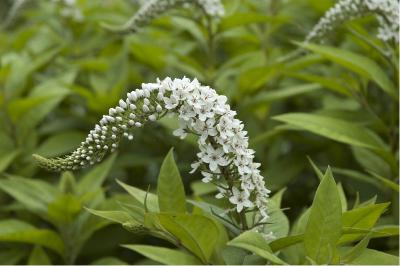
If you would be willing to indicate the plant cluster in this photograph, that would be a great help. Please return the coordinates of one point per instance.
(269, 150)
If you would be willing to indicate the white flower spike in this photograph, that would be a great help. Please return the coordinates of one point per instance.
(224, 158)
(387, 12)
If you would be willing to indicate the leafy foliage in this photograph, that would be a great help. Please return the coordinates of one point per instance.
(335, 102)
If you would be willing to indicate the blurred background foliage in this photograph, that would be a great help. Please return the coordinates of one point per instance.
(60, 71)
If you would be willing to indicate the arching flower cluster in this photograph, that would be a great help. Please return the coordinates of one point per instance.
(152, 9)
(224, 158)
(386, 11)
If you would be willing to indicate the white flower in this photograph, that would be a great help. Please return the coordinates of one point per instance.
(240, 199)
(171, 102)
(207, 177)
(213, 157)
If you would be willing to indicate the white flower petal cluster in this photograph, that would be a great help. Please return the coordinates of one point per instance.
(152, 9)
(387, 12)
(69, 9)
(224, 157)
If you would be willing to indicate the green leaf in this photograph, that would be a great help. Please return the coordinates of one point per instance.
(17, 231)
(255, 242)
(197, 233)
(170, 190)
(284, 242)
(386, 181)
(7, 159)
(242, 19)
(280, 94)
(108, 261)
(95, 177)
(12, 256)
(324, 223)
(60, 144)
(278, 223)
(38, 257)
(316, 169)
(361, 218)
(33, 194)
(120, 217)
(360, 64)
(342, 195)
(140, 195)
(165, 255)
(334, 129)
(357, 250)
(64, 209)
(373, 257)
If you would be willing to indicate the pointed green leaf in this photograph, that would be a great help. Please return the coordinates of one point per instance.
(165, 255)
(256, 243)
(197, 233)
(170, 190)
(140, 195)
(373, 257)
(360, 64)
(357, 250)
(17, 231)
(38, 257)
(334, 129)
(7, 158)
(95, 177)
(362, 218)
(324, 224)
(113, 216)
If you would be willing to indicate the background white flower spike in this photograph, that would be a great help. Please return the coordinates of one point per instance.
(154, 8)
(387, 12)
(223, 143)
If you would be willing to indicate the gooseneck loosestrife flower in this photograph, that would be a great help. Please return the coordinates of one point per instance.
(152, 9)
(387, 12)
(224, 157)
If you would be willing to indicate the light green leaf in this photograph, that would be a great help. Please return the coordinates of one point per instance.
(18, 231)
(64, 209)
(95, 177)
(120, 217)
(357, 250)
(7, 158)
(38, 257)
(333, 128)
(280, 94)
(324, 223)
(197, 233)
(33, 194)
(108, 261)
(12, 256)
(60, 144)
(342, 195)
(242, 19)
(278, 222)
(255, 242)
(373, 257)
(165, 255)
(361, 218)
(358, 63)
(385, 181)
(285, 242)
(170, 190)
(140, 195)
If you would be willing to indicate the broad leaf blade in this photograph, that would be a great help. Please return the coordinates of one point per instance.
(170, 190)
(324, 223)
(254, 242)
(165, 255)
(334, 129)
